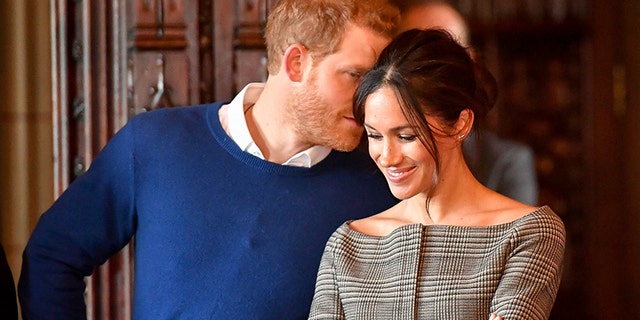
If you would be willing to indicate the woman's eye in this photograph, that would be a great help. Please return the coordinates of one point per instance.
(408, 138)
(374, 136)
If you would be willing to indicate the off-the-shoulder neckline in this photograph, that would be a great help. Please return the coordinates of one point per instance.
(410, 226)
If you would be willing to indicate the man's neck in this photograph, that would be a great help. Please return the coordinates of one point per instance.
(271, 129)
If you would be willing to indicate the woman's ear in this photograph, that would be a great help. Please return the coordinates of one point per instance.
(464, 123)
(295, 60)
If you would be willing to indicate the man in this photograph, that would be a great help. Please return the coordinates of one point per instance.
(505, 166)
(230, 204)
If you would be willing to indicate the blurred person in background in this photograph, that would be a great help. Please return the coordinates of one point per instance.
(501, 164)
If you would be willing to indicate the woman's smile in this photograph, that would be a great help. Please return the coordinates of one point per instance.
(398, 175)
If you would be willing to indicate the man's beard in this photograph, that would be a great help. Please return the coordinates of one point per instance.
(316, 122)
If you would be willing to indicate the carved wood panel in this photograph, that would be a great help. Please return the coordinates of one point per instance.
(89, 103)
(161, 52)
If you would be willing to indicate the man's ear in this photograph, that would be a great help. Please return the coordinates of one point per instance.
(464, 123)
(295, 60)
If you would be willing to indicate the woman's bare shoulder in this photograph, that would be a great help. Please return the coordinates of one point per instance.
(380, 224)
(504, 210)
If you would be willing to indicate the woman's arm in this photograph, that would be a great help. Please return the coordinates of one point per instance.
(531, 278)
(326, 300)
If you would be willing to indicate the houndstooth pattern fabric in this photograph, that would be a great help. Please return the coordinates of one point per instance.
(443, 272)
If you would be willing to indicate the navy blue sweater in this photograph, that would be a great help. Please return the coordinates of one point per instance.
(219, 234)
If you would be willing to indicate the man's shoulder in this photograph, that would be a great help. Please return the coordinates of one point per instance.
(357, 170)
(174, 120)
(356, 159)
(177, 113)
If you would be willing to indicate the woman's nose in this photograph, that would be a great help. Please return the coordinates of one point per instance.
(390, 155)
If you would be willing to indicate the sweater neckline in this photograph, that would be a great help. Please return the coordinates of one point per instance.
(227, 143)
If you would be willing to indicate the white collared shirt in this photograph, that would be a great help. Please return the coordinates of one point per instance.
(239, 131)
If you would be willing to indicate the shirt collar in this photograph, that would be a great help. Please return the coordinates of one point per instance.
(239, 132)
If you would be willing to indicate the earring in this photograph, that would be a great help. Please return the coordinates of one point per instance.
(460, 137)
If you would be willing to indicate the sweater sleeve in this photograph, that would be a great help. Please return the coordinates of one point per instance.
(326, 302)
(531, 279)
(92, 220)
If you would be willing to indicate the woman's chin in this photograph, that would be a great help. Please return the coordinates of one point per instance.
(402, 194)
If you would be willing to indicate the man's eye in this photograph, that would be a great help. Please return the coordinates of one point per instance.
(355, 75)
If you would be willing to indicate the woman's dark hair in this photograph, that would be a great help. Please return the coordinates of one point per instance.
(431, 74)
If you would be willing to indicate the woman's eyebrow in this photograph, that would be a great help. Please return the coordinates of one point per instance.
(398, 128)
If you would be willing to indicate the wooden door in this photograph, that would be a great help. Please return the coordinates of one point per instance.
(115, 59)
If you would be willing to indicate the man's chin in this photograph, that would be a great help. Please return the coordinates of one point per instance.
(344, 148)
(345, 145)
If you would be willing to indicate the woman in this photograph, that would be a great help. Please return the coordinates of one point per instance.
(451, 248)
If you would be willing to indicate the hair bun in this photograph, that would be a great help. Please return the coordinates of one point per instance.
(486, 92)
